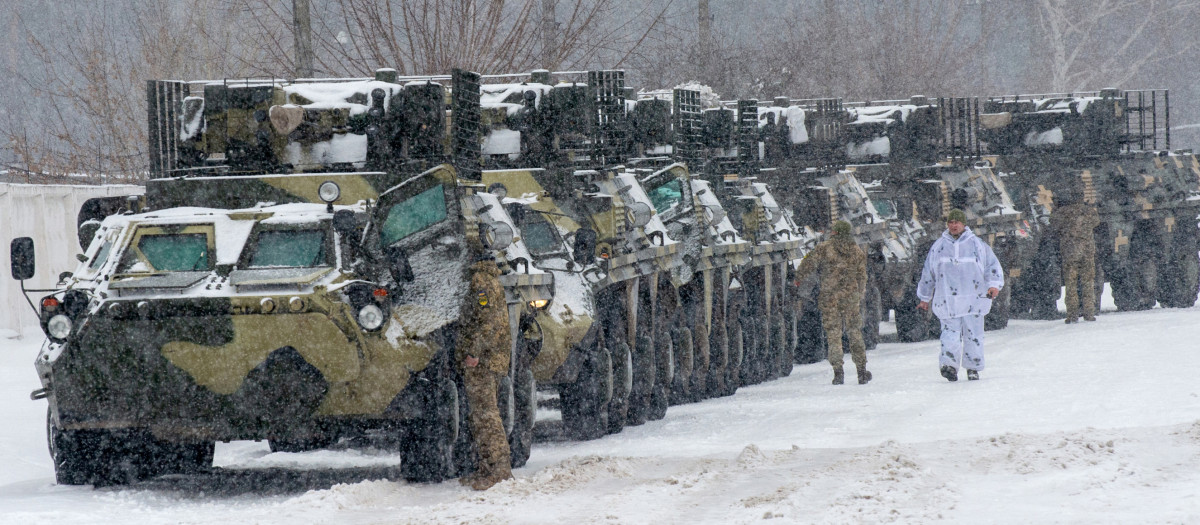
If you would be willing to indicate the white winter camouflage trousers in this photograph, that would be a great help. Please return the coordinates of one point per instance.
(962, 338)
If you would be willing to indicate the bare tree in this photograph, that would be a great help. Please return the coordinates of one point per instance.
(417, 37)
(1112, 42)
(87, 94)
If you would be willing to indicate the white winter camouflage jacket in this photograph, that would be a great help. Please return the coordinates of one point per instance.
(957, 276)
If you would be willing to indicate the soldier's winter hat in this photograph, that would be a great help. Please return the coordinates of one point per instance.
(842, 228)
(956, 215)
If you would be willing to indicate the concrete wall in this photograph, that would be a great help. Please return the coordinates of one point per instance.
(48, 214)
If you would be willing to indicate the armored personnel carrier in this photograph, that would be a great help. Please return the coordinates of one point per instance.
(297, 307)
(1112, 149)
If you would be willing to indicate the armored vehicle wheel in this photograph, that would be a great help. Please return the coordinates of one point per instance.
(427, 447)
(683, 354)
(912, 324)
(1178, 284)
(1133, 288)
(664, 366)
(719, 360)
(871, 314)
(737, 354)
(585, 402)
(622, 385)
(520, 438)
(703, 356)
(76, 454)
(997, 318)
(643, 380)
(782, 356)
(809, 334)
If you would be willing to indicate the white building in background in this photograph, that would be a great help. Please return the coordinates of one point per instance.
(48, 214)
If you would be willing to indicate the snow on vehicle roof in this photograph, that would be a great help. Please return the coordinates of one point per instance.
(332, 95)
(792, 115)
(881, 114)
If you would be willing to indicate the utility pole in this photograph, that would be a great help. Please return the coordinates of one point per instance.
(302, 34)
(705, 40)
(549, 35)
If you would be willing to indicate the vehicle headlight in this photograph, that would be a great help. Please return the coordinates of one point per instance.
(329, 191)
(638, 214)
(538, 304)
(370, 317)
(59, 327)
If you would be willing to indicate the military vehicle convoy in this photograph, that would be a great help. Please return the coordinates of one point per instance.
(295, 269)
(1112, 149)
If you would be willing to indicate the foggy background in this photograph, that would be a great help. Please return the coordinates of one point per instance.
(73, 72)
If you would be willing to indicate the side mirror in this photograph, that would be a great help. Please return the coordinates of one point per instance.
(344, 223)
(398, 264)
(585, 246)
(21, 255)
(87, 231)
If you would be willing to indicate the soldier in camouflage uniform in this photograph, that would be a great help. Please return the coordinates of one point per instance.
(483, 352)
(842, 266)
(1073, 221)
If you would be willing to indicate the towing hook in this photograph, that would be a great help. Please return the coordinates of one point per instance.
(40, 393)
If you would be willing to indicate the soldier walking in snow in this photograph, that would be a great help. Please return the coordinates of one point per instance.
(842, 266)
(483, 353)
(960, 278)
(1073, 221)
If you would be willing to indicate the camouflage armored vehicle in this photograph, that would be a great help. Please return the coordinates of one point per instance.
(337, 318)
(549, 148)
(735, 225)
(1112, 149)
(189, 325)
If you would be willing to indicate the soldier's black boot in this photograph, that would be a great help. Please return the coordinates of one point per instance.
(972, 375)
(950, 373)
(864, 376)
(839, 376)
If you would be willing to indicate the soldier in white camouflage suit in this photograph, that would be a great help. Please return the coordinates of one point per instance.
(960, 278)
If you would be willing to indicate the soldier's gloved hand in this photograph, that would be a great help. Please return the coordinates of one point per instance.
(471, 361)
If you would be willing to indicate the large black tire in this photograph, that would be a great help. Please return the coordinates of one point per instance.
(871, 314)
(585, 402)
(997, 318)
(77, 454)
(683, 355)
(810, 334)
(622, 385)
(427, 448)
(1131, 288)
(703, 365)
(664, 365)
(1035, 294)
(643, 380)
(520, 438)
(719, 354)
(782, 354)
(913, 325)
(1178, 283)
(737, 356)
(118, 457)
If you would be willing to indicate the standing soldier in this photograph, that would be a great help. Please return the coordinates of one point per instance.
(1073, 221)
(960, 278)
(842, 266)
(483, 354)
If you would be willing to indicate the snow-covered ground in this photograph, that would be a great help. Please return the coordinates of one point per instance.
(1086, 423)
